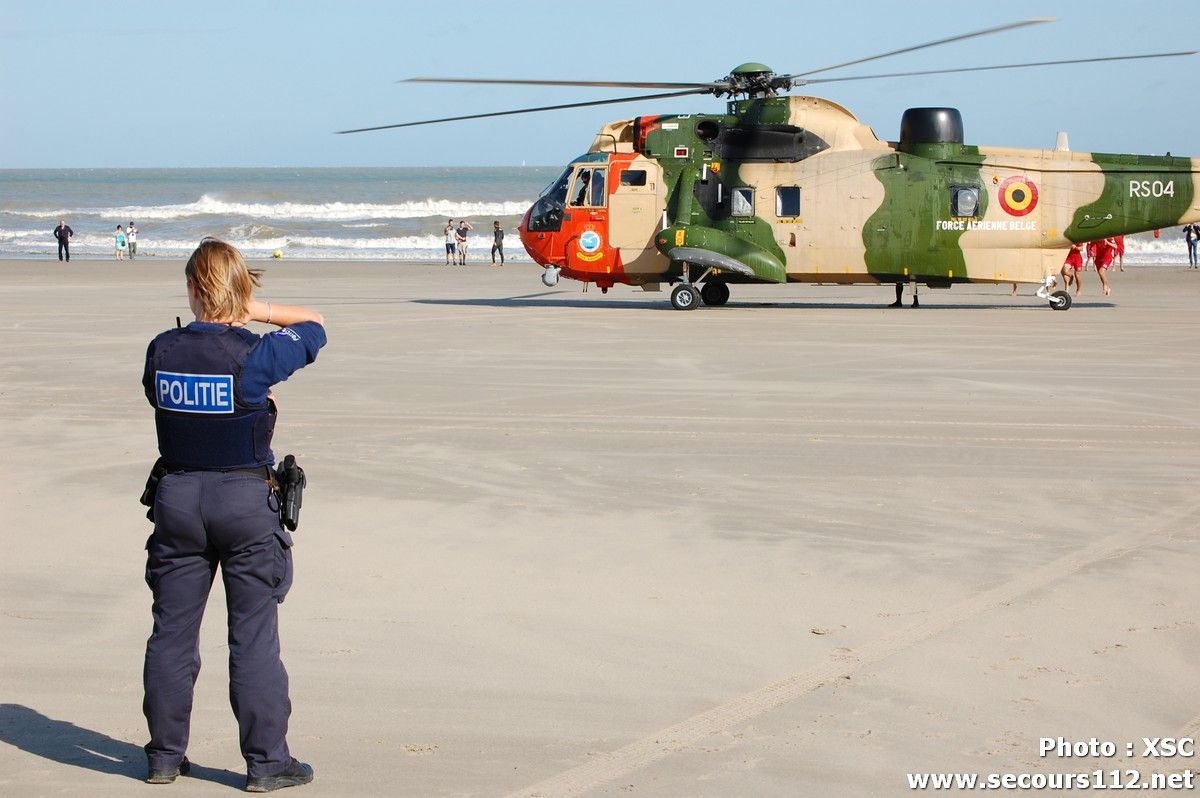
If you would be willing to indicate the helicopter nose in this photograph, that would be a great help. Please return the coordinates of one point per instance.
(534, 243)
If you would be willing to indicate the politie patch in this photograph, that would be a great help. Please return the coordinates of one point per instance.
(194, 393)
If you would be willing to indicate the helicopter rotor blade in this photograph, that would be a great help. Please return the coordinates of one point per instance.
(659, 96)
(997, 66)
(985, 32)
(609, 84)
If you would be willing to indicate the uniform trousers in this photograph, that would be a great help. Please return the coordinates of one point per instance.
(206, 519)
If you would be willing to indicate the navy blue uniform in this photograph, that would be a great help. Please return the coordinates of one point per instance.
(208, 384)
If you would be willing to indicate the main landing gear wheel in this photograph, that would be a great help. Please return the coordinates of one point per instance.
(715, 293)
(1060, 300)
(685, 297)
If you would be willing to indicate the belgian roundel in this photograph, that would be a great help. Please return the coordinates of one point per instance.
(1018, 196)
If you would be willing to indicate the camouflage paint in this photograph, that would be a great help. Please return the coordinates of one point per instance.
(869, 213)
(902, 238)
(750, 239)
(1135, 196)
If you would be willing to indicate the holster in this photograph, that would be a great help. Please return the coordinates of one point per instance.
(157, 472)
(290, 479)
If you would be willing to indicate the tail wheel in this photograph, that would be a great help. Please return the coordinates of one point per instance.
(715, 292)
(1060, 300)
(685, 297)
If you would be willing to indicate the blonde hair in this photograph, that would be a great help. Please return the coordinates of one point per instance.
(222, 282)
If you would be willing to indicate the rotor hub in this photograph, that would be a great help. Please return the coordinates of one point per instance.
(753, 80)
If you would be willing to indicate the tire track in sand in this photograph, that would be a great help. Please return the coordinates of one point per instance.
(640, 753)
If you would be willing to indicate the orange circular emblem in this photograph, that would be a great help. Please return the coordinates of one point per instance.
(1018, 196)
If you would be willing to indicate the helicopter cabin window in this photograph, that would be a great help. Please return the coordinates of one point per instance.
(633, 177)
(742, 201)
(589, 188)
(964, 202)
(787, 201)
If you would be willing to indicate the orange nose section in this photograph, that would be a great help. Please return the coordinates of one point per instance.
(535, 243)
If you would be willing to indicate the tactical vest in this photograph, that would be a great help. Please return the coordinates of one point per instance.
(194, 382)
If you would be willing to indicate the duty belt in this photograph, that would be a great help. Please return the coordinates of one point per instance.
(263, 472)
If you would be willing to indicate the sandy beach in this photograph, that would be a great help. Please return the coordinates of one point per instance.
(560, 543)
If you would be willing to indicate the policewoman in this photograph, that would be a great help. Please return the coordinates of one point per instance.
(209, 383)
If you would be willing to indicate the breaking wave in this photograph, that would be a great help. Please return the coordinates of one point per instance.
(328, 211)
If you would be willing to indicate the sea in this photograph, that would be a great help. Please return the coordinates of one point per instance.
(366, 213)
(376, 213)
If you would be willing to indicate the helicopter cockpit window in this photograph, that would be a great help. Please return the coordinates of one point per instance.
(787, 201)
(964, 202)
(742, 202)
(546, 214)
(597, 198)
(589, 188)
(582, 181)
(633, 177)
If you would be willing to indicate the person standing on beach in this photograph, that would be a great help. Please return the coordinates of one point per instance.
(121, 244)
(460, 236)
(62, 234)
(451, 242)
(131, 237)
(215, 504)
(497, 242)
(1191, 234)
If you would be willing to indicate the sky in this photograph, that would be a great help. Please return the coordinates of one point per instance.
(266, 83)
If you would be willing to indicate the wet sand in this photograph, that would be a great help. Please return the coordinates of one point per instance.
(560, 543)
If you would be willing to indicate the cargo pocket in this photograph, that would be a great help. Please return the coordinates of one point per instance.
(282, 578)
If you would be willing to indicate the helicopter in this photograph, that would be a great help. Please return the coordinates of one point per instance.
(795, 189)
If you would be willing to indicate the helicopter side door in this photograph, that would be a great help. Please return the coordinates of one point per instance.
(634, 207)
(586, 217)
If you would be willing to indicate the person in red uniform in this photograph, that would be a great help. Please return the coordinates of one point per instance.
(1120, 241)
(1073, 267)
(1106, 250)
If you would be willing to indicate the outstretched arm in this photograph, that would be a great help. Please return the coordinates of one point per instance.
(283, 315)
